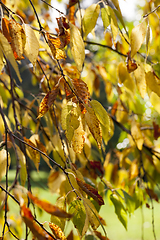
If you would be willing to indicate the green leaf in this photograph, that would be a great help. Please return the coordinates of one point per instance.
(79, 214)
(119, 209)
(130, 202)
(90, 18)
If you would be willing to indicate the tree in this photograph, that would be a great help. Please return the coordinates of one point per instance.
(85, 102)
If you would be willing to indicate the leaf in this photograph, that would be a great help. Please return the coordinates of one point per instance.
(22, 161)
(137, 37)
(94, 125)
(1, 60)
(156, 131)
(42, 148)
(130, 202)
(55, 46)
(104, 118)
(7, 51)
(47, 101)
(92, 213)
(105, 17)
(72, 3)
(77, 46)
(131, 65)
(90, 18)
(57, 231)
(92, 192)
(140, 77)
(78, 138)
(32, 153)
(77, 209)
(133, 171)
(114, 24)
(61, 203)
(156, 68)
(49, 208)
(119, 209)
(32, 45)
(152, 194)
(37, 231)
(54, 181)
(3, 162)
(137, 134)
(18, 39)
(153, 82)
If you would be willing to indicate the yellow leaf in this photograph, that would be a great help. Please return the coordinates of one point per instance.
(32, 44)
(153, 82)
(77, 46)
(3, 162)
(1, 60)
(78, 138)
(92, 213)
(155, 101)
(90, 18)
(114, 25)
(57, 231)
(125, 77)
(105, 120)
(54, 180)
(137, 134)
(141, 80)
(7, 51)
(18, 39)
(94, 125)
(137, 37)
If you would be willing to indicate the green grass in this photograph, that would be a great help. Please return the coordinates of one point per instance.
(114, 229)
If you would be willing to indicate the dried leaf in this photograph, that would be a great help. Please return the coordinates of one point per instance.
(72, 3)
(47, 101)
(3, 162)
(77, 46)
(55, 46)
(48, 207)
(18, 39)
(152, 194)
(137, 37)
(90, 18)
(32, 153)
(156, 131)
(7, 51)
(57, 231)
(92, 192)
(94, 125)
(37, 231)
(131, 65)
(32, 45)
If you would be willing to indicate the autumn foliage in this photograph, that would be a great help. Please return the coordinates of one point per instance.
(93, 119)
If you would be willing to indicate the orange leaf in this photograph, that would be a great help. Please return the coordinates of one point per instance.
(57, 231)
(71, 15)
(131, 64)
(48, 207)
(47, 101)
(55, 44)
(5, 29)
(37, 231)
(18, 39)
(92, 192)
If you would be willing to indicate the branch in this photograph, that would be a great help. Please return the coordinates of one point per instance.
(146, 15)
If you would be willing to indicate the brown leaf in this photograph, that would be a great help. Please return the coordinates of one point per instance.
(81, 90)
(48, 207)
(152, 194)
(28, 218)
(57, 231)
(156, 131)
(72, 3)
(47, 101)
(131, 64)
(5, 29)
(92, 192)
(99, 235)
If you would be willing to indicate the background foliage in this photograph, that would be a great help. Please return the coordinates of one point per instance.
(79, 98)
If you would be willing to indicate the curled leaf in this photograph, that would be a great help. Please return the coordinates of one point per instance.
(57, 231)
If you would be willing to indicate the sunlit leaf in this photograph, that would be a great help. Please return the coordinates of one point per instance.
(77, 46)
(90, 18)
(57, 231)
(3, 162)
(54, 181)
(137, 37)
(105, 16)
(48, 207)
(7, 51)
(131, 65)
(141, 80)
(133, 171)
(153, 82)
(94, 125)
(119, 209)
(32, 45)
(22, 161)
(92, 192)
(78, 138)
(137, 134)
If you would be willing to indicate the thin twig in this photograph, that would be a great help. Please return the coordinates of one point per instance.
(146, 15)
